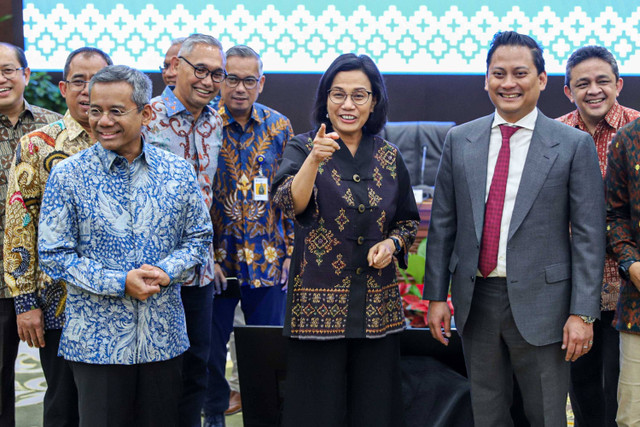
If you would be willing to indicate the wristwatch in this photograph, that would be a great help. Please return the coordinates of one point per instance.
(396, 243)
(623, 268)
(587, 319)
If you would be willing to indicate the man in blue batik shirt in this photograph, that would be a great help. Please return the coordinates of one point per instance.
(123, 224)
(252, 239)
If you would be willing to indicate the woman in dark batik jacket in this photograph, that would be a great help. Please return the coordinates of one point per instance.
(349, 193)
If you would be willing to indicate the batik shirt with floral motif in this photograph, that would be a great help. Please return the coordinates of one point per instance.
(31, 118)
(37, 153)
(622, 185)
(604, 132)
(173, 128)
(357, 201)
(102, 217)
(251, 237)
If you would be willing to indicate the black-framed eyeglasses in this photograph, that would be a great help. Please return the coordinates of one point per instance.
(9, 73)
(248, 82)
(164, 67)
(76, 85)
(358, 96)
(202, 72)
(113, 114)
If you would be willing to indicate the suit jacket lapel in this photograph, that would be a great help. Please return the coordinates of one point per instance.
(540, 158)
(476, 156)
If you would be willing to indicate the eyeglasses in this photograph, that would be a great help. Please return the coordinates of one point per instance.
(113, 114)
(248, 82)
(202, 72)
(164, 67)
(76, 85)
(9, 73)
(359, 97)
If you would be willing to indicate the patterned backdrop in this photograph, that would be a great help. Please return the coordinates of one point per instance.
(409, 37)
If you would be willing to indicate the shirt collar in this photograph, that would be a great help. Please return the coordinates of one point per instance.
(74, 129)
(107, 157)
(227, 118)
(613, 118)
(527, 122)
(174, 106)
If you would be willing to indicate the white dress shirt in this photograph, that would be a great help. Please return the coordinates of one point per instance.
(519, 145)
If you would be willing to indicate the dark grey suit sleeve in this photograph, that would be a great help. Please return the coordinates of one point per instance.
(588, 226)
(442, 229)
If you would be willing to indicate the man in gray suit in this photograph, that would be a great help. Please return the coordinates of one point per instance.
(517, 226)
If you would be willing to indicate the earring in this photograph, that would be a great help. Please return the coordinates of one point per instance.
(327, 115)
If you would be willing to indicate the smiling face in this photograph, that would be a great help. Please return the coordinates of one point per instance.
(195, 93)
(239, 100)
(513, 82)
(118, 134)
(82, 67)
(12, 90)
(594, 89)
(348, 118)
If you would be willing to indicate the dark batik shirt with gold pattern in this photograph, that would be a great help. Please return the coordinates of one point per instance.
(357, 201)
(622, 185)
(31, 118)
(36, 155)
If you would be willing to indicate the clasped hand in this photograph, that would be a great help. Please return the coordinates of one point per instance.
(145, 281)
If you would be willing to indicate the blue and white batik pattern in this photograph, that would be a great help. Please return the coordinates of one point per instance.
(102, 217)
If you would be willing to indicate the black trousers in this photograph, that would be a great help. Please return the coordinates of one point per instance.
(594, 377)
(144, 395)
(61, 398)
(9, 341)
(198, 306)
(345, 382)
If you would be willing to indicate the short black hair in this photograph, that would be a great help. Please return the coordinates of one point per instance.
(86, 52)
(511, 38)
(588, 52)
(349, 62)
(22, 58)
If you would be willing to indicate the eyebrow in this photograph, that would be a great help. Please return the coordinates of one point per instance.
(598, 77)
(111, 106)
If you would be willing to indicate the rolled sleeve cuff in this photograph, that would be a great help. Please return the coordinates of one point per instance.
(115, 283)
(25, 302)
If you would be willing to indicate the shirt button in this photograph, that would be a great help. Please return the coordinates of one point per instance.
(360, 240)
(359, 270)
(361, 208)
(356, 177)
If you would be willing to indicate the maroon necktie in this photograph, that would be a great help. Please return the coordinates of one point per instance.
(495, 204)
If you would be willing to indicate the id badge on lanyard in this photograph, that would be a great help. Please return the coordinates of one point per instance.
(260, 183)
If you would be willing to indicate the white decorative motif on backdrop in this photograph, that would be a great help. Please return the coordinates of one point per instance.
(412, 40)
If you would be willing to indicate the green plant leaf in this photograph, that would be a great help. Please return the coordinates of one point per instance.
(41, 91)
(415, 267)
(422, 248)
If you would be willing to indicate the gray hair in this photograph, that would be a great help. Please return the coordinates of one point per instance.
(195, 39)
(178, 40)
(139, 81)
(244, 51)
(86, 52)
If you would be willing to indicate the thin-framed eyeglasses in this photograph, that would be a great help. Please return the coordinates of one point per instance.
(113, 114)
(164, 67)
(359, 96)
(76, 85)
(202, 72)
(9, 73)
(248, 82)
